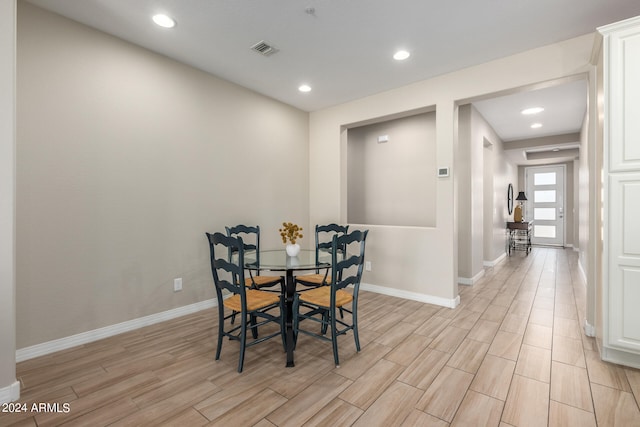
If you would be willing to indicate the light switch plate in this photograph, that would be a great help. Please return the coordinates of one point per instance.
(442, 172)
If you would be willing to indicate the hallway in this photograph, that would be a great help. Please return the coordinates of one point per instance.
(551, 371)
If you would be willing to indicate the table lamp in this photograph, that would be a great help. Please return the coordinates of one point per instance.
(517, 212)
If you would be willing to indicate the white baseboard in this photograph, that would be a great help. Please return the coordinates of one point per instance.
(589, 329)
(109, 331)
(620, 357)
(414, 296)
(495, 261)
(470, 281)
(11, 393)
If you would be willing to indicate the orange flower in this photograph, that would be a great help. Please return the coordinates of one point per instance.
(290, 232)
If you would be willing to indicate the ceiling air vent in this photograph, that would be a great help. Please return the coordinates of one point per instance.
(264, 48)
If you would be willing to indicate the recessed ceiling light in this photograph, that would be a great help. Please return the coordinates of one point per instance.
(533, 110)
(536, 125)
(304, 88)
(401, 55)
(164, 21)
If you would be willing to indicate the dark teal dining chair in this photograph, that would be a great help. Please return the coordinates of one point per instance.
(251, 239)
(320, 305)
(324, 239)
(255, 307)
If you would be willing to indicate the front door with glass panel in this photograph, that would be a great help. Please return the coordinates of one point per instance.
(545, 204)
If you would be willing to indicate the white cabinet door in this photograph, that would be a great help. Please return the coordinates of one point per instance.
(622, 83)
(621, 198)
(624, 261)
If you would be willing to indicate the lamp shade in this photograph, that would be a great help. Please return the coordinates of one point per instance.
(521, 196)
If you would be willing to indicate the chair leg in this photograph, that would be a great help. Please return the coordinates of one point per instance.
(243, 342)
(325, 322)
(354, 321)
(254, 328)
(334, 339)
(220, 330)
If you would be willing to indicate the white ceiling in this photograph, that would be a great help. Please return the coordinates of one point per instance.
(564, 106)
(344, 48)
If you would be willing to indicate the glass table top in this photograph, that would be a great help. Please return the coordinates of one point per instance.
(278, 260)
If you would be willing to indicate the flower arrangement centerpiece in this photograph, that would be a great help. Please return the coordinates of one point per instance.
(290, 233)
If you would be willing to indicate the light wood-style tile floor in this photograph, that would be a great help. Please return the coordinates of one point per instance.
(512, 354)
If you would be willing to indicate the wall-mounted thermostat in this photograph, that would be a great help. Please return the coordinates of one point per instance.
(383, 138)
(442, 172)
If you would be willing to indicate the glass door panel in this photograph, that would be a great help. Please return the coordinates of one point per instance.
(544, 178)
(545, 214)
(544, 196)
(545, 231)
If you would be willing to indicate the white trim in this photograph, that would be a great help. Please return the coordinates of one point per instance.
(620, 357)
(109, 331)
(589, 329)
(495, 261)
(470, 281)
(414, 296)
(10, 393)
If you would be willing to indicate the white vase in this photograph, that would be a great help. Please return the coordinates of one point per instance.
(293, 249)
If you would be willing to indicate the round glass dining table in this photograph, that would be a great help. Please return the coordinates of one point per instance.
(277, 260)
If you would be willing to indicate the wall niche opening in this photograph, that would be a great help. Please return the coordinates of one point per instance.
(391, 172)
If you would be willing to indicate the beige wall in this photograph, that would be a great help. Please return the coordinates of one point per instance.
(482, 205)
(423, 260)
(482, 195)
(470, 198)
(497, 173)
(583, 192)
(392, 183)
(9, 388)
(124, 159)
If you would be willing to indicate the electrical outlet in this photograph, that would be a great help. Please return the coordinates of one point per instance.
(367, 265)
(177, 284)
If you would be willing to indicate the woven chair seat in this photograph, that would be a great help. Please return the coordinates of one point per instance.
(322, 297)
(255, 300)
(261, 281)
(318, 279)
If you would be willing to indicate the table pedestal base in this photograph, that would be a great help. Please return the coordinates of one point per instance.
(290, 290)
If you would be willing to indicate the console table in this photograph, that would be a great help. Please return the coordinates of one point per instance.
(519, 236)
